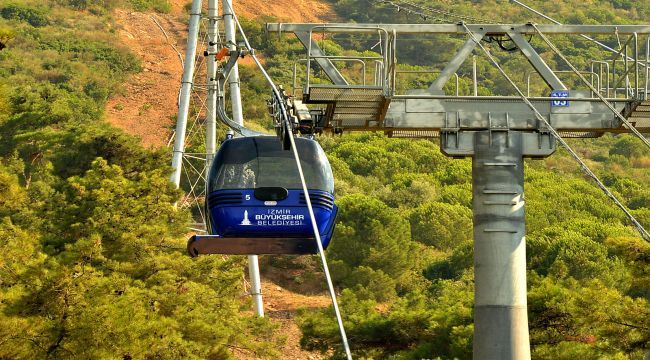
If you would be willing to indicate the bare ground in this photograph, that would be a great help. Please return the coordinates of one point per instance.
(286, 10)
(281, 305)
(147, 103)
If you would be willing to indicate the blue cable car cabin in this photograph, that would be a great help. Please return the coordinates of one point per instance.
(255, 202)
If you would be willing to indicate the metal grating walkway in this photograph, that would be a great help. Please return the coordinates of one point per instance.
(640, 117)
(350, 107)
(413, 134)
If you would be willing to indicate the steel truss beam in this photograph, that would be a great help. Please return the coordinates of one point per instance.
(470, 113)
(536, 61)
(490, 29)
(431, 110)
(326, 64)
(454, 64)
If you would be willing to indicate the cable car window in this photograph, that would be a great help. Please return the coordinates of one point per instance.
(248, 163)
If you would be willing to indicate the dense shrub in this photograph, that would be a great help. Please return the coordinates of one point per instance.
(441, 225)
(116, 59)
(162, 6)
(31, 15)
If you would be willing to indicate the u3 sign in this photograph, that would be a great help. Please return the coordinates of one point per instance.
(560, 98)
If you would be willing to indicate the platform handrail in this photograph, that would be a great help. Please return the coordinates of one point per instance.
(428, 72)
(339, 58)
(647, 68)
(623, 52)
(600, 73)
(384, 58)
(379, 66)
(592, 73)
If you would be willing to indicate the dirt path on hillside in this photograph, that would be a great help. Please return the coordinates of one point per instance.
(147, 103)
(287, 10)
(283, 10)
(281, 305)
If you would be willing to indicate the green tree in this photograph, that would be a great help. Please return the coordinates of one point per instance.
(441, 225)
(372, 246)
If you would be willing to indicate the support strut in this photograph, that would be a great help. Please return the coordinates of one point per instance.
(238, 117)
(186, 92)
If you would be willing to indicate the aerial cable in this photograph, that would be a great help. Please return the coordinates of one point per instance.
(540, 117)
(592, 88)
(441, 12)
(608, 48)
(407, 10)
(403, 5)
(285, 117)
(433, 10)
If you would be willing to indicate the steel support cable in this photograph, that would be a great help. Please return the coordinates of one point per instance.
(592, 88)
(452, 14)
(610, 49)
(556, 135)
(435, 11)
(321, 251)
(424, 16)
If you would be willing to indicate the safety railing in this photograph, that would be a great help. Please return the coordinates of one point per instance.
(379, 67)
(625, 74)
(647, 69)
(640, 88)
(595, 79)
(362, 74)
(398, 72)
(603, 75)
(384, 63)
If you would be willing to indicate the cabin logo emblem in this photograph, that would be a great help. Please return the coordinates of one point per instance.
(245, 221)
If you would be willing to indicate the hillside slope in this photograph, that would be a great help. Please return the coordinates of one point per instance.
(92, 246)
(147, 104)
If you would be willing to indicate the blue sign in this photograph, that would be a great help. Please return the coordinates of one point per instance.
(560, 95)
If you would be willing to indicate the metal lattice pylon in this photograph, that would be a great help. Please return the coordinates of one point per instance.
(196, 117)
(195, 145)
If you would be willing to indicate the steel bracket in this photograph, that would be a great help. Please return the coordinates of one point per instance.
(449, 134)
(460, 143)
(232, 60)
(497, 124)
